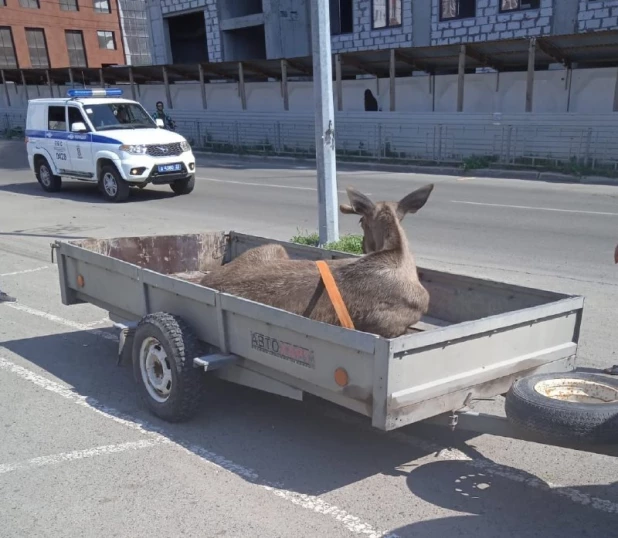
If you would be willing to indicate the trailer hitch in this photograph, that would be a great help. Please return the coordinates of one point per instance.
(53, 247)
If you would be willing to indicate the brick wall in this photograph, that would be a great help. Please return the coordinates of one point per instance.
(490, 24)
(595, 16)
(364, 37)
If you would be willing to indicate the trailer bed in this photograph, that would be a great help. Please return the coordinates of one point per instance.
(477, 338)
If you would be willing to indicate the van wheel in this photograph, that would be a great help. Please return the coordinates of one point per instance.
(113, 187)
(183, 186)
(44, 176)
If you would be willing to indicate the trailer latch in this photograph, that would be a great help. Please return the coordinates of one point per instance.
(53, 246)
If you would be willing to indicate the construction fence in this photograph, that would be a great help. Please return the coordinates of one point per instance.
(472, 140)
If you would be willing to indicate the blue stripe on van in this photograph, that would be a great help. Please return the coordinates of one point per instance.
(64, 135)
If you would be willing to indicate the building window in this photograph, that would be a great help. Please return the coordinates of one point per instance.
(75, 46)
(56, 118)
(8, 59)
(519, 5)
(37, 45)
(341, 17)
(457, 9)
(102, 6)
(386, 13)
(106, 40)
(69, 5)
(31, 4)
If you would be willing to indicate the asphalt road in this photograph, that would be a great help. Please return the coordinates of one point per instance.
(80, 456)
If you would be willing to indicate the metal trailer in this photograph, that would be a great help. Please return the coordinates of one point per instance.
(478, 338)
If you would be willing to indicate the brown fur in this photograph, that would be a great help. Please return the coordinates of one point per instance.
(381, 289)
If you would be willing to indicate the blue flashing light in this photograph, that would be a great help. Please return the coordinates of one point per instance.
(94, 92)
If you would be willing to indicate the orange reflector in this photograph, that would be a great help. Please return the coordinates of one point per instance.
(341, 377)
(80, 281)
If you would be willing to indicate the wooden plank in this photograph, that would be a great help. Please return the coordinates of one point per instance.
(241, 86)
(530, 75)
(23, 81)
(168, 93)
(6, 88)
(49, 83)
(132, 82)
(339, 82)
(616, 93)
(202, 86)
(285, 91)
(392, 79)
(461, 72)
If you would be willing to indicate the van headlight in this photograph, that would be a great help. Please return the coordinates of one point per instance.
(138, 149)
(185, 146)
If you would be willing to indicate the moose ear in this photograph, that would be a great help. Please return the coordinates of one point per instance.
(359, 203)
(347, 209)
(414, 201)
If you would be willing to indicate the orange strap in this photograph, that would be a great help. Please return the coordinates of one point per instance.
(335, 296)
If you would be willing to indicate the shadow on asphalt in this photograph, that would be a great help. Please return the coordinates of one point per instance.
(83, 192)
(297, 446)
(13, 155)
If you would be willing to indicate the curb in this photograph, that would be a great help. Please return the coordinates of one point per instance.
(525, 175)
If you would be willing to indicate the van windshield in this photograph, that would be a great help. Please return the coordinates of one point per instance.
(108, 116)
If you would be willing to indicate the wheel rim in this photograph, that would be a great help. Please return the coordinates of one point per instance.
(156, 369)
(109, 184)
(45, 175)
(577, 391)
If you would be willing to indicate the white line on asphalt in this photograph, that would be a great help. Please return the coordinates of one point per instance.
(308, 502)
(55, 459)
(487, 466)
(268, 185)
(537, 208)
(62, 321)
(25, 271)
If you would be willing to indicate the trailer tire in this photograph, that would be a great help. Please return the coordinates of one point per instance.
(163, 351)
(575, 407)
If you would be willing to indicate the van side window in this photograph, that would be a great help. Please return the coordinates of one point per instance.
(56, 120)
(75, 116)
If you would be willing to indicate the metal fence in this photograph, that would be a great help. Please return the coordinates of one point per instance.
(476, 141)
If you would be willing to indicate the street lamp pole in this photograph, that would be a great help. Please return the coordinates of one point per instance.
(324, 122)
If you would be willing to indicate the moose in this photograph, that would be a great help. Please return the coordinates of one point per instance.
(381, 289)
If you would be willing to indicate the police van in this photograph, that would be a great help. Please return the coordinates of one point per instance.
(95, 135)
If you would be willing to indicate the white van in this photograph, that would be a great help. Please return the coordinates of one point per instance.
(94, 136)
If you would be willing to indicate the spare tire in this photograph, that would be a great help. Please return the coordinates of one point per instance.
(577, 407)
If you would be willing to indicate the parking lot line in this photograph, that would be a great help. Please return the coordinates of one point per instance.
(486, 466)
(63, 321)
(308, 502)
(55, 459)
(14, 273)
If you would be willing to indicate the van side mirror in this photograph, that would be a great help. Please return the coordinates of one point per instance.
(159, 122)
(79, 127)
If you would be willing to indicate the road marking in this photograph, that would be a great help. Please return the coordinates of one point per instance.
(268, 185)
(25, 271)
(55, 459)
(62, 321)
(308, 502)
(538, 208)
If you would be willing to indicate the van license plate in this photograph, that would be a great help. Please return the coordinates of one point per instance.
(165, 168)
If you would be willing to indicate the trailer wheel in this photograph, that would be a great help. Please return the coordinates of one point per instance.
(163, 352)
(576, 407)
